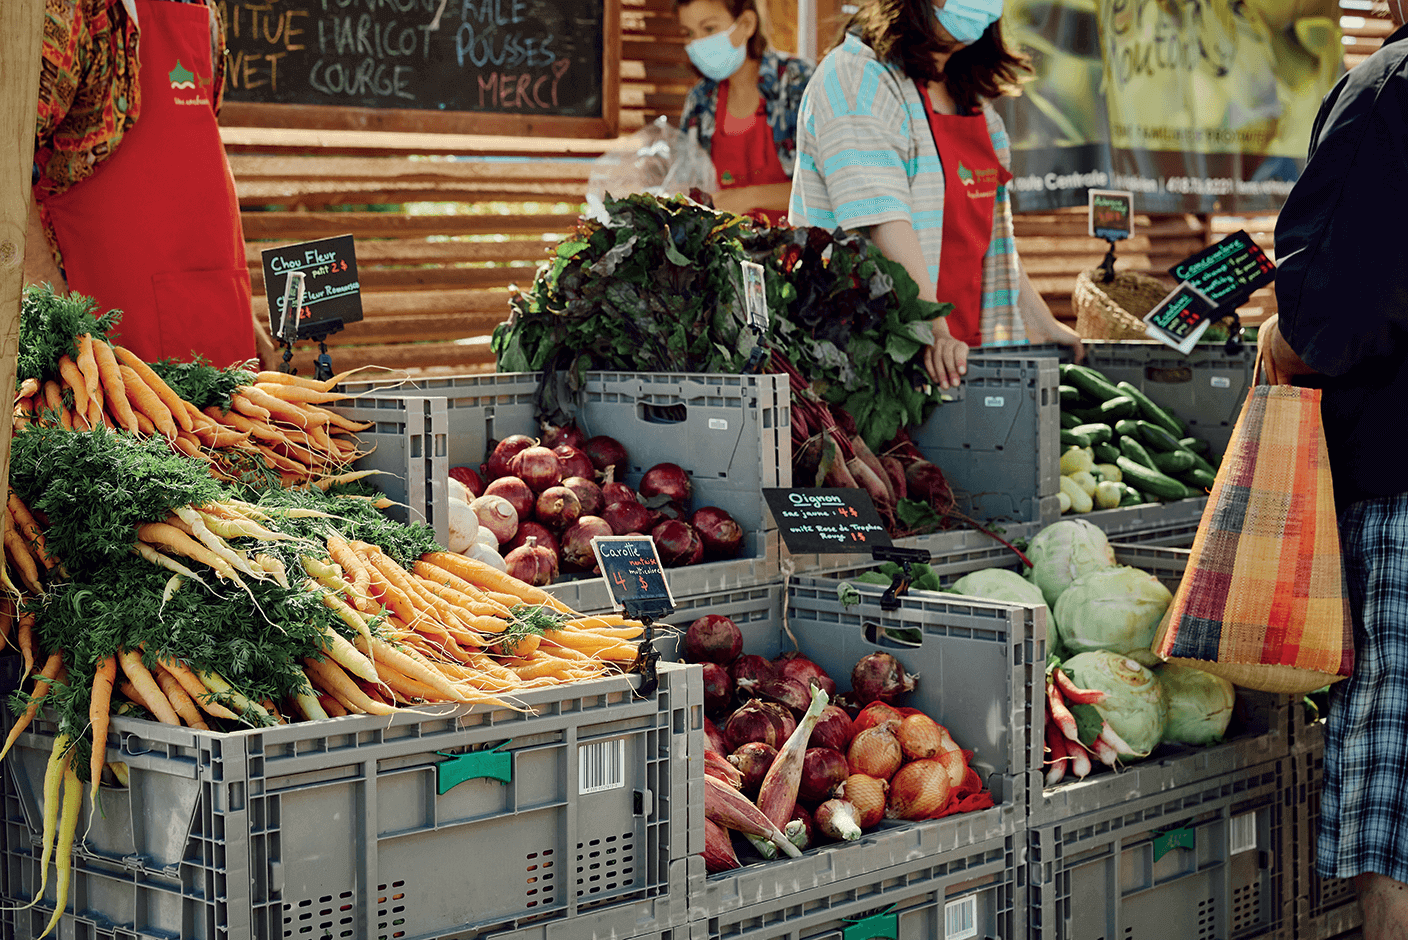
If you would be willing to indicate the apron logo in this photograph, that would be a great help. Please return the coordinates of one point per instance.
(183, 78)
(965, 174)
(980, 184)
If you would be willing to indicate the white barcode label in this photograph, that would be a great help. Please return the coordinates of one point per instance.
(1243, 832)
(994, 401)
(1220, 381)
(718, 424)
(961, 918)
(601, 766)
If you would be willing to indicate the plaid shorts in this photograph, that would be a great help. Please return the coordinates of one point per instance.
(1364, 812)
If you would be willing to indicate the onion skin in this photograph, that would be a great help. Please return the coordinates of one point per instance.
(752, 762)
(557, 508)
(748, 671)
(879, 676)
(721, 534)
(876, 713)
(788, 692)
(806, 672)
(712, 638)
(920, 736)
(504, 452)
(918, 791)
(754, 721)
(714, 739)
(834, 730)
(568, 434)
(668, 480)
(868, 795)
(836, 819)
(627, 517)
(576, 552)
(532, 564)
(823, 770)
(875, 752)
(614, 492)
(536, 466)
(571, 462)
(679, 545)
(518, 493)
(469, 477)
(718, 689)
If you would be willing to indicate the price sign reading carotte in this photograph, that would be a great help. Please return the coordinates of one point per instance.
(630, 566)
(830, 521)
(1228, 271)
(332, 295)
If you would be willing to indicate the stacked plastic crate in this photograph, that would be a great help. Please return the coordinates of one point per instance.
(1324, 907)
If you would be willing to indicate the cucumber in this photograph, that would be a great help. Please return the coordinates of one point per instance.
(1150, 481)
(1133, 450)
(1069, 420)
(1089, 381)
(1172, 462)
(1127, 427)
(1201, 463)
(1086, 415)
(1070, 395)
(1197, 478)
(1105, 453)
(1156, 437)
(1131, 496)
(1153, 412)
(1098, 433)
(1196, 444)
(1121, 406)
(1071, 437)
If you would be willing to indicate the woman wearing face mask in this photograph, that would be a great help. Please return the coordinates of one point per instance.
(896, 138)
(745, 109)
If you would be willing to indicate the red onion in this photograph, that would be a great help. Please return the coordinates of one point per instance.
(557, 507)
(668, 508)
(613, 493)
(718, 849)
(875, 752)
(755, 720)
(469, 478)
(918, 791)
(503, 454)
(534, 530)
(753, 760)
(748, 670)
(833, 729)
(879, 676)
(867, 795)
(678, 543)
(837, 819)
(606, 453)
(712, 638)
(718, 689)
(669, 480)
(516, 492)
(806, 672)
(576, 551)
(714, 739)
(625, 518)
(536, 466)
(568, 434)
(722, 536)
(573, 463)
(822, 772)
(532, 563)
(875, 713)
(588, 494)
(800, 814)
(496, 514)
(788, 692)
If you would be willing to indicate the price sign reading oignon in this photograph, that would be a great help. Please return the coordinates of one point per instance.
(831, 521)
(634, 577)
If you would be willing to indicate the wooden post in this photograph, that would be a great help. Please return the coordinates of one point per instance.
(21, 23)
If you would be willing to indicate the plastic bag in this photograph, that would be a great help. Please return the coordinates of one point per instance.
(659, 159)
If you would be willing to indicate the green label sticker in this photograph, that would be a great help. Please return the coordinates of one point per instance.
(1182, 838)
(884, 926)
(494, 764)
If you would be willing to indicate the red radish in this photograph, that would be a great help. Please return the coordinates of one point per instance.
(668, 480)
(722, 536)
(920, 736)
(679, 545)
(576, 552)
(806, 672)
(536, 466)
(532, 563)
(534, 530)
(627, 517)
(836, 819)
(752, 761)
(713, 638)
(714, 739)
(717, 765)
(875, 713)
(557, 507)
(613, 493)
(503, 454)
(880, 676)
(732, 810)
(822, 772)
(520, 496)
(778, 795)
(918, 790)
(718, 849)
(606, 454)
(469, 478)
(572, 462)
(871, 482)
(568, 434)
(864, 454)
(588, 494)
(755, 720)
(718, 689)
(789, 692)
(868, 795)
(834, 730)
(496, 514)
(875, 752)
(748, 670)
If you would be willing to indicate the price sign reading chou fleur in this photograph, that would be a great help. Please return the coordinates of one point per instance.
(830, 521)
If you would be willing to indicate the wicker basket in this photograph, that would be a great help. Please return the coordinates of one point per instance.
(1115, 310)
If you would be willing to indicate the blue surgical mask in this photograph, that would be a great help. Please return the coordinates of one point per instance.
(966, 20)
(716, 56)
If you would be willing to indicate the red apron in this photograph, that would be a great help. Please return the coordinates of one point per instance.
(156, 231)
(749, 158)
(972, 174)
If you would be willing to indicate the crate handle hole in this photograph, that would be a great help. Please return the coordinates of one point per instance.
(894, 637)
(663, 414)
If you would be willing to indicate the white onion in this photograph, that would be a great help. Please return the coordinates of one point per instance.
(458, 490)
(485, 537)
(481, 552)
(463, 525)
(496, 513)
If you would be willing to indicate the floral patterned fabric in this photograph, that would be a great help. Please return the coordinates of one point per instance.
(781, 80)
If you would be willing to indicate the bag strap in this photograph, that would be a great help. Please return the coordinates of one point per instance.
(1259, 366)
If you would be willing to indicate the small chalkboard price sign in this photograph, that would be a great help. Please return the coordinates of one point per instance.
(635, 579)
(332, 295)
(828, 521)
(1181, 318)
(1228, 272)
(1111, 214)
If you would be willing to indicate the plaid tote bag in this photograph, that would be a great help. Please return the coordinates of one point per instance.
(1263, 601)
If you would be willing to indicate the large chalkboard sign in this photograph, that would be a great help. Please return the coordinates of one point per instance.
(507, 67)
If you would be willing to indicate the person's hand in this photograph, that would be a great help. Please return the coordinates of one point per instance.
(946, 360)
(1279, 359)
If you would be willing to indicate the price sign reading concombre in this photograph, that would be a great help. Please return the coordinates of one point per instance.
(831, 521)
(1228, 271)
(635, 579)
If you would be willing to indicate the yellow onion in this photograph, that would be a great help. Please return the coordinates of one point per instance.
(951, 756)
(918, 791)
(867, 795)
(920, 736)
(876, 752)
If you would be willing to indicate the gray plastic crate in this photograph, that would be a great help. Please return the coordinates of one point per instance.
(970, 893)
(997, 438)
(335, 829)
(1173, 524)
(1324, 907)
(1226, 874)
(731, 432)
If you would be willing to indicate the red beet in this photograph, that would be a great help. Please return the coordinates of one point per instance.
(880, 677)
(625, 518)
(805, 671)
(833, 729)
(557, 507)
(718, 689)
(722, 536)
(678, 543)
(613, 492)
(927, 482)
(572, 462)
(533, 530)
(568, 434)
(606, 454)
(669, 480)
(822, 772)
(576, 551)
(536, 466)
(712, 638)
(588, 494)
(748, 670)
(533, 564)
(519, 495)
(753, 760)
(469, 478)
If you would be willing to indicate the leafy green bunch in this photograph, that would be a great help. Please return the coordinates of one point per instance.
(50, 325)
